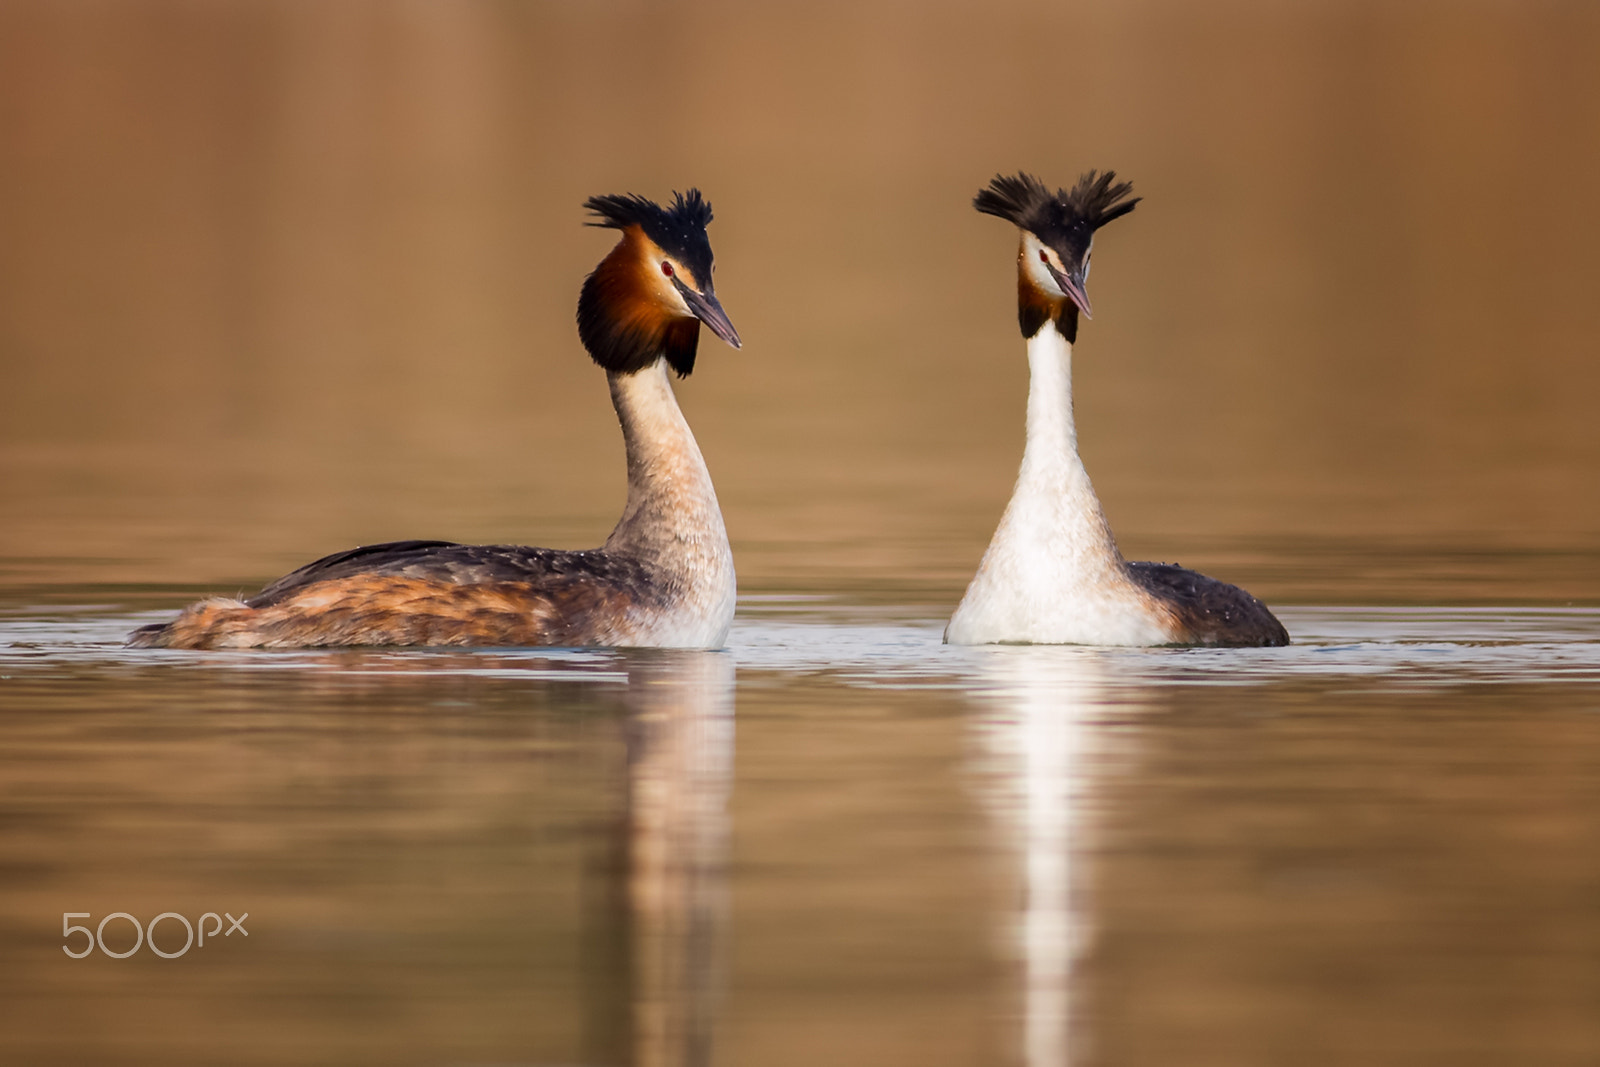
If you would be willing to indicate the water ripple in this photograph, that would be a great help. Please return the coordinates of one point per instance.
(896, 648)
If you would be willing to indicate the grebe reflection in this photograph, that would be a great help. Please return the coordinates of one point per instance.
(673, 842)
(1044, 740)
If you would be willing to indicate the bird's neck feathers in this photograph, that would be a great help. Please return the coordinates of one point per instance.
(671, 503)
(626, 318)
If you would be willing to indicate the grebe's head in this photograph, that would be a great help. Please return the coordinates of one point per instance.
(1057, 240)
(647, 298)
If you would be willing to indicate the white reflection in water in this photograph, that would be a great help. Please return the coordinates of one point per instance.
(680, 760)
(1043, 740)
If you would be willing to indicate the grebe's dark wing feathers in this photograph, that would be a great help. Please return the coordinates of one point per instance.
(457, 564)
(343, 564)
(427, 593)
(1214, 612)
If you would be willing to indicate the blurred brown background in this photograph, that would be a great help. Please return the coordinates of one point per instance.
(278, 278)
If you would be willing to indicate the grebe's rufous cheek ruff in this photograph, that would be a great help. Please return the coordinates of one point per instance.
(664, 578)
(1053, 574)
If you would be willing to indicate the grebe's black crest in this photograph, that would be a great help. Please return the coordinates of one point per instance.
(680, 229)
(1065, 219)
(622, 326)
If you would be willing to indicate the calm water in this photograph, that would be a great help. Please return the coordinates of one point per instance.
(837, 841)
(282, 277)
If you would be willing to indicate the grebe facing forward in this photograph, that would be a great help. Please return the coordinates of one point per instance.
(1052, 573)
(663, 578)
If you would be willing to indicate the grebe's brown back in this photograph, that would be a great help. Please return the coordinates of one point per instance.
(664, 577)
(1052, 573)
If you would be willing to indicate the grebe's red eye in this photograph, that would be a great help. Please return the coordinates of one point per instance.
(1042, 257)
(666, 268)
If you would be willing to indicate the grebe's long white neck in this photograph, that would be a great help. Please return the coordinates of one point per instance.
(1052, 573)
(672, 521)
(1053, 496)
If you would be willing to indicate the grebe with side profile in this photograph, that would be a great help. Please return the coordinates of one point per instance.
(664, 578)
(1053, 574)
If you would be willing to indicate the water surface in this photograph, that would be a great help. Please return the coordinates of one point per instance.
(836, 839)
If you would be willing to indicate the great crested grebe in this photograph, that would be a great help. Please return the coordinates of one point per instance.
(664, 578)
(1052, 574)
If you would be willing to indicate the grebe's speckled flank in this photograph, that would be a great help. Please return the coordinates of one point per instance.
(1052, 573)
(664, 578)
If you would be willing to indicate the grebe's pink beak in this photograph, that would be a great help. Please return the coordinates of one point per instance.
(708, 310)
